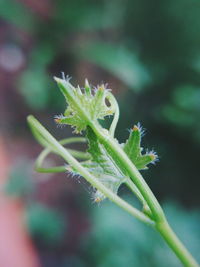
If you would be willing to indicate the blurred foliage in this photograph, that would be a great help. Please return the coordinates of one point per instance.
(44, 224)
(20, 183)
(120, 240)
(30, 85)
(118, 61)
(16, 13)
(147, 45)
(184, 110)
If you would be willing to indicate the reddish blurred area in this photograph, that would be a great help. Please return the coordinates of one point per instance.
(16, 248)
(41, 9)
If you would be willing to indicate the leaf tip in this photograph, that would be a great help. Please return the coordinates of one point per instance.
(97, 200)
(135, 128)
(58, 118)
(153, 156)
(57, 79)
(30, 119)
(101, 88)
(87, 83)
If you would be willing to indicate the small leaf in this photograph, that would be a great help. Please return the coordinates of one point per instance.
(133, 149)
(84, 106)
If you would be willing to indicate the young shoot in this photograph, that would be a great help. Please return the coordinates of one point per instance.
(106, 164)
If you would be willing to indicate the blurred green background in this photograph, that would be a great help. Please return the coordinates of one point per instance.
(149, 54)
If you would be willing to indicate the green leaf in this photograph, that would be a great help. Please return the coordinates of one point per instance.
(48, 231)
(34, 86)
(84, 105)
(102, 166)
(16, 13)
(133, 149)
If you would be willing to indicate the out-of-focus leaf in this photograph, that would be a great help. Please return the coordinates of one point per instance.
(178, 116)
(90, 16)
(119, 61)
(20, 183)
(16, 13)
(34, 83)
(118, 240)
(43, 54)
(184, 109)
(187, 97)
(33, 86)
(44, 223)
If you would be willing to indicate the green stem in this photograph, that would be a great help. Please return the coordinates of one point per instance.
(161, 224)
(77, 154)
(118, 154)
(135, 190)
(54, 145)
(122, 159)
(175, 244)
(113, 102)
(71, 140)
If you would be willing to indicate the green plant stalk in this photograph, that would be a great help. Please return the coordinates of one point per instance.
(159, 222)
(120, 157)
(54, 145)
(135, 190)
(57, 169)
(175, 244)
(44, 154)
(113, 101)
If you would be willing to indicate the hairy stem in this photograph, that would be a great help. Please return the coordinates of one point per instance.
(158, 219)
(120, 157)
(158, 215)
(113, 102)
(77, 154)
(54, 145)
